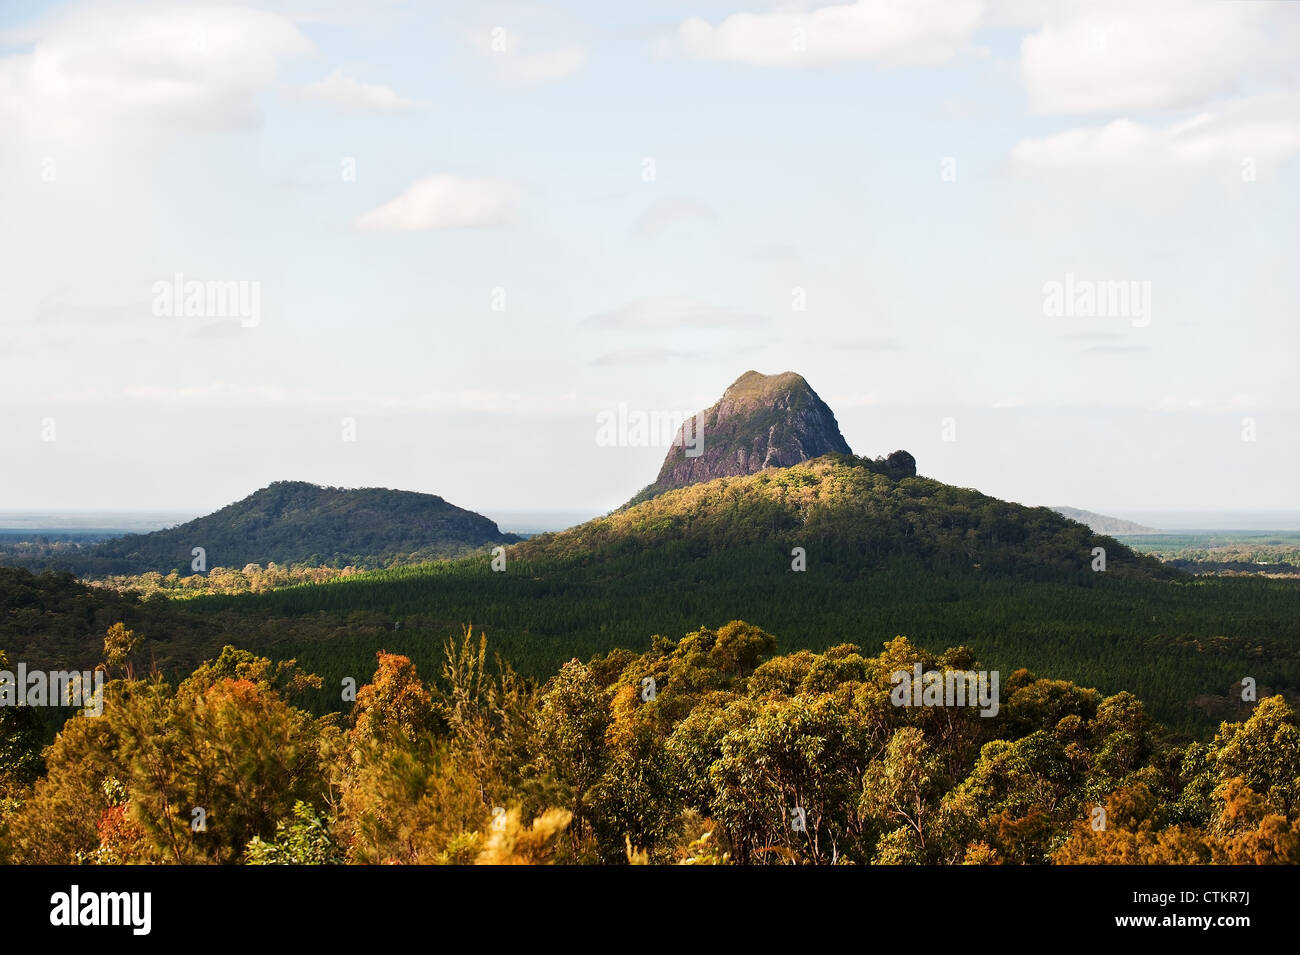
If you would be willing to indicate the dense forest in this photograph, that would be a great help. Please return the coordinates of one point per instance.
(707, 749)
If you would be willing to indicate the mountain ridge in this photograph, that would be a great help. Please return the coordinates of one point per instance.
(1103, 523)
(301, 522)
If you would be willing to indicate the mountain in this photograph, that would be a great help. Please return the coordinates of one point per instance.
(825, 552)
(852, 514)
(1103, 524)
(297, 522)
(761, 421)
(830, 550)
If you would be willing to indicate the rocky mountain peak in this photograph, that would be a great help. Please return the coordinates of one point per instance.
(762, 421)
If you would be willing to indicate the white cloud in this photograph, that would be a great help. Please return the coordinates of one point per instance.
(547, 65)
(1263, 132)
(665, 212)
(443, 202)
(1230, 404)
(94, 69)
(1125, 57)
(642, 356)
(888, 32)
(347, 93)
(665, 313)
(233, 394)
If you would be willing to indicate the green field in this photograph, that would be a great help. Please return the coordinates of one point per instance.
(1222, 551)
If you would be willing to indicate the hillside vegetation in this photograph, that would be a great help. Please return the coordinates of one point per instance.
(703, 750)
(944, 565)
(293, 522)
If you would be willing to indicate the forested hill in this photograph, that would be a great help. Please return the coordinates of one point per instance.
(297, 522)
(850, 512)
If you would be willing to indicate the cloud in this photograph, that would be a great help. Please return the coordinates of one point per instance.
(348, 94)
(776, 253)
(868, 344)
(1261, 132)
(886, 32)
(642, 356)
(506, 47)
(60, 312)
(667, 313)
(664, 213)
(1220, 405)
(98, 69)
(443, 202)
(1126, 57)
(546, 66)
(233, 394)
(1093, 336)
(1113, 349)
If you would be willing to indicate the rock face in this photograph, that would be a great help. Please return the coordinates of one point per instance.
(762, 421)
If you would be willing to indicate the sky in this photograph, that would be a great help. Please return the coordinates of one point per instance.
(1047, 248)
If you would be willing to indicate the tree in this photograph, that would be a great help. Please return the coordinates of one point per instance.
(394, 701)
(303, 839)
(119, 644)
(905, 787)
(1264, 752)
(570, 744)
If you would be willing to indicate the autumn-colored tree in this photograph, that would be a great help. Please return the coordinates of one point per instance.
(57, 823)
(210, 767)
(1264, 752)
(410, 800)
(1248, 832)
(512, 843)
(119, 646)
(490, 715)
(406, 796)
(394, 702)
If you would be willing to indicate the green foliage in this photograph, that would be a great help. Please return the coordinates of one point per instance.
(303, 840)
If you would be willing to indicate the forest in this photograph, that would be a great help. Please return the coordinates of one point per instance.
(703, 677)
(882, 556)
(712, 748)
